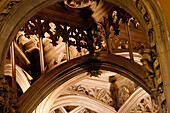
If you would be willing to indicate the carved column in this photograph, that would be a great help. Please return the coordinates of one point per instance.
(129, 41)
(67, 51)
(41, 56)
(14, 84)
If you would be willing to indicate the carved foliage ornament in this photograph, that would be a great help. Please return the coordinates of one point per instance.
(125, 91)
(99, 37)
(97, 93)
(94, 73)
(7, 9)
(78, 37)
(146, 105)
(107, 30)
(151, 63)
(80, 3)
(74, 36)
(117, 16)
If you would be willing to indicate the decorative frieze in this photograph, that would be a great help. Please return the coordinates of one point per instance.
(7, 9)
(54, 31)
(80, 3)
(106, 33)
(145, 105)
(150, 58)
(97, 93)
(125, 91)
(114, 97)
(5, 106)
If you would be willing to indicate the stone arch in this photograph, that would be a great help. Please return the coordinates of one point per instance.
(64, 72)
(27, 8)
(53, 101)
(45, 105)
(82, 101)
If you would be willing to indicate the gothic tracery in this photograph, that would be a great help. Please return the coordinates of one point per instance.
(63, 42)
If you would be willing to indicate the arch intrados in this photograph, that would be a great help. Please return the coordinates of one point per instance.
(64, 72)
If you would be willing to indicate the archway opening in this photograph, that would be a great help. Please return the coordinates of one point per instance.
(78, 38)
